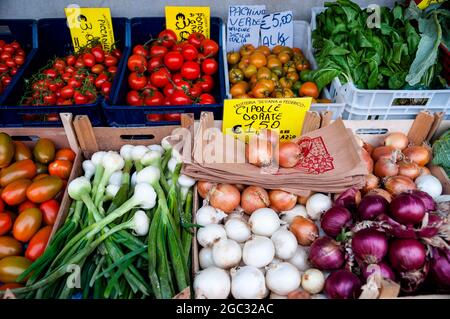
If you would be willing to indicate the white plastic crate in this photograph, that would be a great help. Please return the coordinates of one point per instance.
(384, 104)
(302, 40)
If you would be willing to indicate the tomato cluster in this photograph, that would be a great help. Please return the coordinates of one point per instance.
(282, 72)
(32, 182)
(12, 57)
(74, 79)
(168, 72)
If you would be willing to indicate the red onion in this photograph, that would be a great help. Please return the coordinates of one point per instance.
(410, 281)
(440, 267)
(326, 254)
(407, 255)
(386, 271)
(371, 206)
(427, 200)
(396, 229)
(369, 246)
(407, 209)
(342, 284)
(334, 220)
(349, 198)
(432, 228)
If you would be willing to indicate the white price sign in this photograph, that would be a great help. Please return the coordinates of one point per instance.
(243, 25)
(278, 29)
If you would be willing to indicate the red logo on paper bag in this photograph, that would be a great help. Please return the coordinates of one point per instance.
(315, 157)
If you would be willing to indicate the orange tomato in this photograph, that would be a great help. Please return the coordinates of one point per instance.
(40, 176)
(233, 57)
(15, 192)
(263, 49)
(297, 51)
(263, 73)
(25, 205)
(284, 57)
(65, 154)
(309, 89)
(247, 49)
(258, 59)
(260, 91)
(268, 83)
(277, 49)
(274, 63)
(239, 88)
(27, 224)
(250, 70)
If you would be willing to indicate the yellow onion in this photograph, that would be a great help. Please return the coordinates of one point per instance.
(225, 197)
(305, 230)
(254, 197)
(281, 200)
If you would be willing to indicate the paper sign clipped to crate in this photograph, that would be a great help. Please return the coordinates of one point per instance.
(87, 24)
(187, 20)
(278, 29)
(243, 25)
(248, 116)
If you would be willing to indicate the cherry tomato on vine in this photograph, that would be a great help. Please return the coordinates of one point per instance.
(190, 70)
(136, 80)
(173, 60)
(137, 63)
(209, 66)
(196, 39)
(167, 38)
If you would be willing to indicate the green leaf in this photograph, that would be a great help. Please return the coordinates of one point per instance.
(323, 77)
(397, 81)
(397, 12)
(412, 37)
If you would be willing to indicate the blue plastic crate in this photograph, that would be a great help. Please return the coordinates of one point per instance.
(118, 113)
(24, 32)
(55, 40)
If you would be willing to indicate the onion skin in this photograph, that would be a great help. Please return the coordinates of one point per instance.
(369, 246)
(440, 267)
(259, 151)
(418, 154)
(303, 199)
(350, 198)
(423, 170)
(288, 154)
(427, 201)
(305, 230)
(253, 198)
(385, 167)
(368, 147)
(336, 219)
(399, 184)
(367, 160)
(407, 255)
(342, 284)
(408, 169)
(281, 200)
(204, 187)
(372, 182)
(381, 192)
(383, 152)
(326, 254)
(372, 206)
(407, 209)
(386, 271)
(397, 140)
(432, 228)
(225, 197)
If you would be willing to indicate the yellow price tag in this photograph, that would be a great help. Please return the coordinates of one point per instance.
(187, 20)
(87, 24)
(248, 116)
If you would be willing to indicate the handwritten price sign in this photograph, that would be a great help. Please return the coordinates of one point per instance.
(278, 29)
(243, 25)
(87, 24)
(248, 116)
(187, 20)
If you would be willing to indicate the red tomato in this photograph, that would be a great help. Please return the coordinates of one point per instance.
(189, 52)
(167, 38)
(65, 154)
(98, 54)
(49, 211)
(172, 117)
(207, 83)
(73, 82)
(49, 99)
(154, 98)
(25, 205)
(102, 78)
(112, 70)
(154, 64)
(37, 244)
(154, 117)
(97, 69)
(137, 81)
(116, 53)
(206, 98)
(209, 66)
(80, 98)
(106, 88)
(50, 73)
(158, 50)
(70, 60)
(196, 90)
(59, 65)
(19, 60)
(2, 206)
(183, 85)
(160, 78)
(190, 70)
(168, 89)
(209, 47)
(5, 223)
(179, 98)
(67, 92)
(134, 99)
(110, 60)
(140, 50)
(60, 168)
(177, 77)
(89, 59)
(137, 63)
(173, 60)
(196, 39)
(15, 192)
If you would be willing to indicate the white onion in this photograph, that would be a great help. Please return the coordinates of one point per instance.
(283, 278)
(208, 215)
(288, 215)
(300, 258)
(285, 243)
(248, 283)
(205, 258)
(275, 296)
(317, 204)
(226, 253)
(429, 184)
(237, 229)
(313, 281)
(264, 222)
(210, 234)
(212, 283)
(258, 251)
